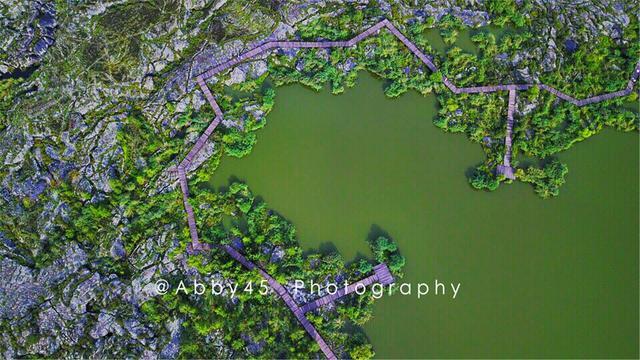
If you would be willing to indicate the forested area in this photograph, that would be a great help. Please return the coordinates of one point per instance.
(268, 240)
(53, 200)
(545, 125)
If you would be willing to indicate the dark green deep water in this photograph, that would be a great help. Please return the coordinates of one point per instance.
(540, 278)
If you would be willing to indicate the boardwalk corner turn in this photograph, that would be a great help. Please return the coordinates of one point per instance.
(381, 271)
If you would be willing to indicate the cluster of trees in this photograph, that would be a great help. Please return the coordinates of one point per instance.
(386, 251)
(247, 112)
(505, 11)
(269, 240)
(8, 90)
(553, 126)
(546, 181)
(238, 143)
(483, 178)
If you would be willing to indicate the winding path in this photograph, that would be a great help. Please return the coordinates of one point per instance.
(381, 274)
(504, 169)
(284, 295)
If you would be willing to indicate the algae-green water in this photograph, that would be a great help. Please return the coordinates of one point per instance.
(539, 278)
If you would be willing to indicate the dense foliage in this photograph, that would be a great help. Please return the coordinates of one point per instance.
(544, 124)
(54, 127)
(269, 241)
(547, 181)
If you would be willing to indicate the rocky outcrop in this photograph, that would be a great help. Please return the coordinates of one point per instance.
(19, 291)
(27, 30)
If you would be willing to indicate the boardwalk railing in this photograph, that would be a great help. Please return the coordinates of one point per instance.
(288, 300)
(381, 274)
(505, 168)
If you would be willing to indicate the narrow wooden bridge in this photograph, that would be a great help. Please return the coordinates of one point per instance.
(288, 300)
(381, 276)
(506, 169)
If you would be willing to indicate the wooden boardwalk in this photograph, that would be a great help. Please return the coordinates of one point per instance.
(382, 276)
(506, 169)
(286, 297)
(195, 245)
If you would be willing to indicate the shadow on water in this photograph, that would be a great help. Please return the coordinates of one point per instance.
(240, 222)
(470, 171)
(375, 232)
(224, 188)
(327, 248)
(359, 256)
(354, 330)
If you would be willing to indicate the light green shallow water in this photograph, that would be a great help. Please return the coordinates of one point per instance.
(554, 278)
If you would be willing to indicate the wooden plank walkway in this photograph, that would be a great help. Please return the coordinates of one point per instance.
(381, 274)
(505, 167)
(195, 245)
(286, 297)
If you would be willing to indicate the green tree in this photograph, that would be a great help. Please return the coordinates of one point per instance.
(483, 181)
(362, 352)
(546, 181)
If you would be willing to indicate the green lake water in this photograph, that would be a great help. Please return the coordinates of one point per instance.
(539, 278)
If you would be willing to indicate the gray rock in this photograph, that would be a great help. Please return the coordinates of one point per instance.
(85, 293)
(61, 268)
(258, 68)
(117, 249)
(27, 32)
(529, 133)
(471, 18)
(46, 345)
(277, 254)
(238, 75)
(348, 65)
(323, 54)
(19, 290)
(171, 350)
(106, 324)
(571, 45)
(524, 76)
(136, 329)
